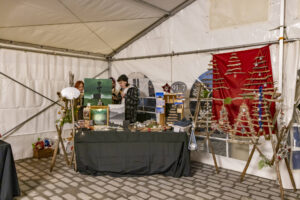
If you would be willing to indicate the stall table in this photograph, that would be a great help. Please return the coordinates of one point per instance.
(132, 153)
(9, 185)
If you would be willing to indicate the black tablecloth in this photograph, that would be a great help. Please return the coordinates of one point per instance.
(126, 153)
(9, 186)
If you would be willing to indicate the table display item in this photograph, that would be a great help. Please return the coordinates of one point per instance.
(116, 114)
(178, 87)
(148, 126)
(99, 115)
(42, 148)
(166, 88)
(86, 112)
(97, 91)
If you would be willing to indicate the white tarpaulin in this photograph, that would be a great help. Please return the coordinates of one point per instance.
(46, 74)
(99, 26)
(102, 26)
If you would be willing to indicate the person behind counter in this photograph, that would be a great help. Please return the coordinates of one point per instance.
(79, 101)
(130, 97)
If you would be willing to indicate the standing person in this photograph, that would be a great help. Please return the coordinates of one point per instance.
(130, 97)
(79, 101)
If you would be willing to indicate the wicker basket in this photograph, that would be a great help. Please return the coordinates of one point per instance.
(44, 153)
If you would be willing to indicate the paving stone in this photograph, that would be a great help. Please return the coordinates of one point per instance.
(259, 193)
(69, 197)
(171, 194)
(143, 189)
(158, 195)
(178, 191)
(205, 196)
(214, 194)
(55, 198)
(259, 198)
(232, 195)
(110, 188)
(97, 196)
(86, 190)
(112, 195)
(83, 196)
(143, 195)
(128, 189)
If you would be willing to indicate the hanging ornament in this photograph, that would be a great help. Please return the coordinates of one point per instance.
(166, 88)
(193, 142)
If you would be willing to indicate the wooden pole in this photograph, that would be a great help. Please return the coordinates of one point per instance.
(248, 162)
(73, 130)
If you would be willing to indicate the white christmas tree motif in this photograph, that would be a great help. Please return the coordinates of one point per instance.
(224, 124)
(243, 125)
(234, 66)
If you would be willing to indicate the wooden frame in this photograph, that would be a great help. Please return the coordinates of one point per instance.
(100, 108)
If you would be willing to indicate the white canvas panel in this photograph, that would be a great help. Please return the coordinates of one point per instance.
(110, 31)
(157, 70)
(227, 13)
(33, 12)
(188, 68)
(69, 36)
(189, 30)
(110, 10)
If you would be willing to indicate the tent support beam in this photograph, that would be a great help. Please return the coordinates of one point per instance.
(17, 127)
(32, 90)
(204, 50)
(152, 6)
(22, 46)
(151, 27)
(281, 45)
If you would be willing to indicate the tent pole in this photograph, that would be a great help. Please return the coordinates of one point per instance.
(281, 45)
(109, 63)
(204, 50)
(9, 44)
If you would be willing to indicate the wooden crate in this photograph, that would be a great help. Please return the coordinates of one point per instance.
(44, 153)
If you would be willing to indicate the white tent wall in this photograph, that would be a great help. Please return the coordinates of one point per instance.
(46, 74)
(196, 28)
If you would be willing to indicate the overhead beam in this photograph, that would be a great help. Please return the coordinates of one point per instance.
(204, 50)
(153, 6)
(22, 46)
(151, 27)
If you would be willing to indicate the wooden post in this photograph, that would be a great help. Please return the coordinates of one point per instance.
(247, 164)
(73, 131)
(279, 179)
(59, 140)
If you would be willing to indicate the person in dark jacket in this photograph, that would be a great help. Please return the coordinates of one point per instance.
(130, 97)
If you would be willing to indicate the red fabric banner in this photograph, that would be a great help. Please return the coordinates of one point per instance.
(239, 73)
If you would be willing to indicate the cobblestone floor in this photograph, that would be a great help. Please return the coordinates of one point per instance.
(37, 183)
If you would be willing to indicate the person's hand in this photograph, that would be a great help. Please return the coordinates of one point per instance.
(122, 94)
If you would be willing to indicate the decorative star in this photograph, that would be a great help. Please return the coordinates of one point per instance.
(166, 88)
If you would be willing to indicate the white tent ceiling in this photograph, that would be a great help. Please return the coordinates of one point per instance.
(101, 27)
